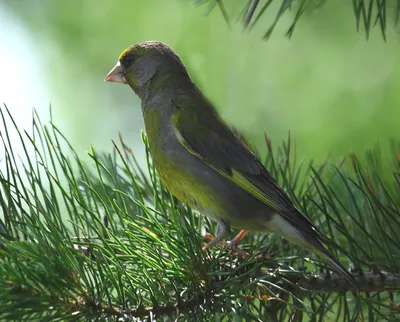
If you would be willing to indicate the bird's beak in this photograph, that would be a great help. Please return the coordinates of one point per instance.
(116, 75)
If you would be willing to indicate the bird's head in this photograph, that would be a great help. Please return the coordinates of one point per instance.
(139, 64)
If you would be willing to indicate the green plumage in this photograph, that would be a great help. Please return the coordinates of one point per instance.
(200, 160)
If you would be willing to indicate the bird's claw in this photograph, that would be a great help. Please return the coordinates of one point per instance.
(211, 244)
(232, 246)
(234, 249)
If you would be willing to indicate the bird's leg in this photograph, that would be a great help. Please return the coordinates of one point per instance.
(210, 237)
(223, 229)
(233, 244)
(235, 241)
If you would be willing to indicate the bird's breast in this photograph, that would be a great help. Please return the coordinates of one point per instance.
(179, 171)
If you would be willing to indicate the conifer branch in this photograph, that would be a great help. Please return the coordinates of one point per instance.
(108, 241)
(367, 13)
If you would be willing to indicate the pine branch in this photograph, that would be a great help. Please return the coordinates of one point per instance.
(334, 283)
(367, 13)
(103, 239)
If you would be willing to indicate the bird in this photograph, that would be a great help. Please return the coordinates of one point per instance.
(202, 162)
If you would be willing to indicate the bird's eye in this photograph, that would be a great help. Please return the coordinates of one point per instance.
(128, 59)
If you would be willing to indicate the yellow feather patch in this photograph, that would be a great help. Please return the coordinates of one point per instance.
(236, 177)
(134, 50)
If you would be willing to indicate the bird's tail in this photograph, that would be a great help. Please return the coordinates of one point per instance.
(322, 252)
(299, 230)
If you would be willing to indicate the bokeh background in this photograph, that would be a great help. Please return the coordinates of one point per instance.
(332, 89)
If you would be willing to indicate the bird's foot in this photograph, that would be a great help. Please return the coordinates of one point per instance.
(231, 245)
(234, 249)
(212, 242)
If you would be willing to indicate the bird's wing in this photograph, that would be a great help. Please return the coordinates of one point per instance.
(204, 134)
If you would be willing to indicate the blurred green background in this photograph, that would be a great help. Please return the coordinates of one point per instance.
(332, 89)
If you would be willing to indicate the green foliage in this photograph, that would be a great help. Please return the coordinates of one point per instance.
(103, 239)
(367, 13)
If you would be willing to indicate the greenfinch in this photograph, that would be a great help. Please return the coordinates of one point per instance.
(200, 160)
